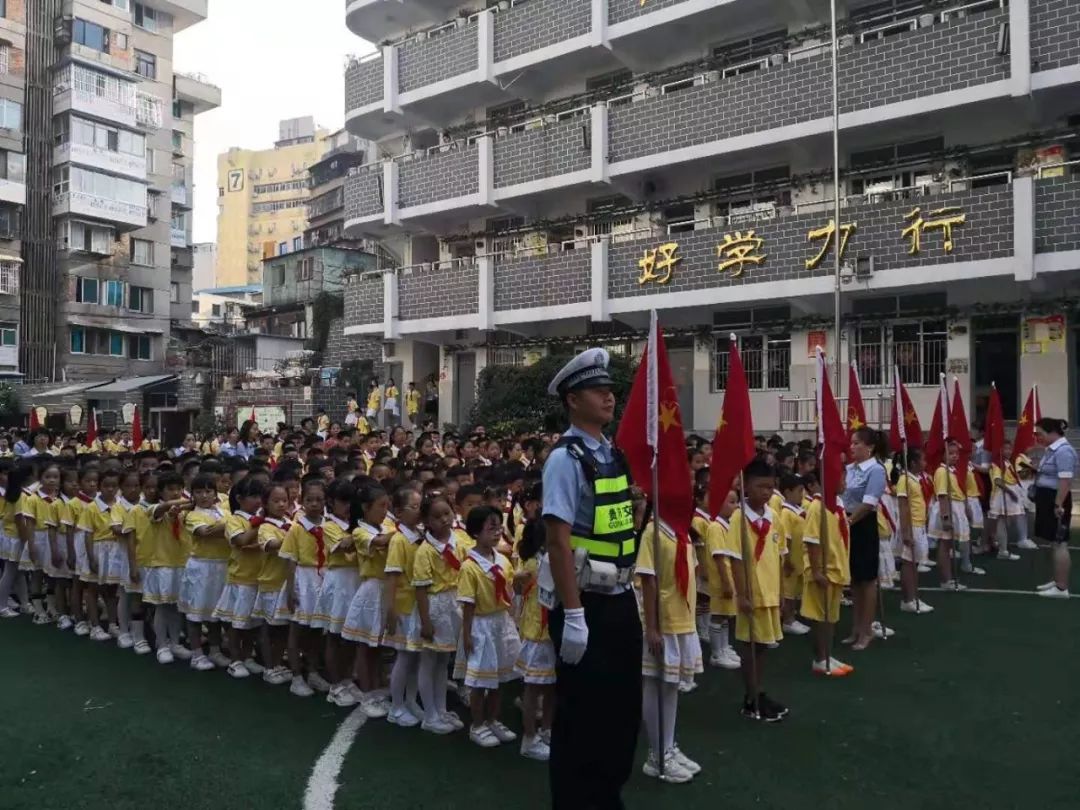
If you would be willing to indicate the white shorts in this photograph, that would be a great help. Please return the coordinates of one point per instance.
(366, 617)
(976, 513)
(308, 582)
(495, 649)
(536, 662)
(406, 635)
(161, 585)
(201, 587)
(82, 559)
(1003, 506)
(336, 594)
(272, 607)
(920, 545)
(112, 562)
(236, 605)
(682, 658)
(959, 519)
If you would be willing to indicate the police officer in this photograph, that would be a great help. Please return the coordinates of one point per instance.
(592, 546)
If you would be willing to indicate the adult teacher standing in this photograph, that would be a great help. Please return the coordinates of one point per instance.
(591, 550)
(865, 486)
(1053, 501)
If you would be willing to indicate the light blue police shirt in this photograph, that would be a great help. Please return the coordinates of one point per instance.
(1058, 462)
(865, 484)
(567, 495)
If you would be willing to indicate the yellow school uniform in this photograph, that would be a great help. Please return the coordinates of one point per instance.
(792, 522)
(93, 447)
(139, 526)
(223, 503)
(65, 517)
(273, 569)
(533, 626)
(432, 571)
(98, 521)
(676, 609)
(391, 392)
(776, 503)
(77, 506)
(324, 424)
(206, 548)
(948, 484)
(150, 444)
(412, 402)
(302, 547)
(718, 545)
(362, 426)
(373, 400)
(334, 531)
(972, 484)
(45, 511)
(114, 448)
(244, 563)
(700, 524)
(763, 565)
(461, 537)
(816, 599)
(400, 559)
(372, 561)
(477, 587)
(909, 488)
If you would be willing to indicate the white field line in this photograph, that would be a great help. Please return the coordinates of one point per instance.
(323, 783)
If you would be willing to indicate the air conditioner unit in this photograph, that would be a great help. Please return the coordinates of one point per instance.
(847, 271)
(62, 27)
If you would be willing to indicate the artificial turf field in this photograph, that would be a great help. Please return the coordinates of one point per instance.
(975, 705)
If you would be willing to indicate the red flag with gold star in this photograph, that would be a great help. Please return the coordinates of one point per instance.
(136, 430)
(832, 440)
(660, 439)
(733, 445)
(904, 427)
(856, 411)
(934, 450)
(959, 433)
(994, 434)
(1025, 425)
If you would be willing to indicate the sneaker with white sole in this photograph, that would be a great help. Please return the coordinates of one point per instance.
(915, 607)
(402, 717)
(341, 696)
(686, 687)
(276, 676)
(1027, 544)
(953, 585)
(125, 641)
(354, 690)
(685, 761)
(97, 634)
(142, 647)
(81, 628)
(924, 569)
(974, 571)
(164, 656)
(1046, 586)
(1055, 593)
(254, 667)
(483, 736)
(796, 628)
(236, 669)
(440, 726)
(42, 618)
(219, 658)
(453, 720)
(1008, 556)
(501, 732)
(674, 773)
(882, 632)
(300, 688)
(114, 631)
(318, 682)
(64, 623)
(535, 748)
(831, 669)
(10, 613)
(181, 653)
(202, 663)
(373, 707)
(724, 661)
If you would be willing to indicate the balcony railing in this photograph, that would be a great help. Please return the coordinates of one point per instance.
(800, 413)
(9, 277)
(148, 111)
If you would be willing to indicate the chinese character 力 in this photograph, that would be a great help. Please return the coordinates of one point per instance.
(949, 216)
(827, 233)
(660, 270)
(739, 250)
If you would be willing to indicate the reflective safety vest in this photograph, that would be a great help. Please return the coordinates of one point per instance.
(611, 537)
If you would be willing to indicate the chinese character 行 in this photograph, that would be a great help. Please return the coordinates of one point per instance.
(827, 233)
(660, 270)
(739, 250)
(948, 217)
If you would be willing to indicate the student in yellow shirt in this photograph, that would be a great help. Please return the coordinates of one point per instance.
(827, 569)
(205, 573)
(948, 516)
(48, 560)
(1006, 504)
(912, 528)
(412, 403)
(236, 605)
(64, 541)
(435, 580)
(402, 619)
(99, 526)
(338, 587)
(140, 539)
(374, 402)
(672, 653)
(129, 594)
(271, 606)
(489, 641)
(756, 571)
(792, 523)
(721, 585)
(169, 551)
(85, 491)
(700, 524)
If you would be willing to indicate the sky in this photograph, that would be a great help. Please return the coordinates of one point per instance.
(272, 59)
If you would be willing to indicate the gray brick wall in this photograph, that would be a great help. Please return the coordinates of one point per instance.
(363, 83)
(1055, 33)
(946, 57)
(439, 176)
(363, 192)
(436, 292)
(543, 281)
(1057, 214)
(451, 53)
(537, 23)
(987, 234)
(621, 10)
(340, 348)
(363, 299)
(545, 152)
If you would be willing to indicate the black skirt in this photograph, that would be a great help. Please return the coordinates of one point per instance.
(1046, 522)
(864, 549)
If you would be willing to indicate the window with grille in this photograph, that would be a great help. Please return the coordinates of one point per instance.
(753, 195)
(5, 57)
(868, 352)
(9, 278)
(146, 64)
(766, 360)
(750, 54)
(920, 350)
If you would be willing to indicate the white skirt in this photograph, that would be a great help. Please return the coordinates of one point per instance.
(406, 636)
(82, 559)
(236, 605)
(921, 546)
(976, 513)
(306, 592)
(961, 531)
(42, 553)
(445, 615)
(131, 587)
(682, 658)
(336, 595)
(1003, 506)
(536, 662)
(272, 607)
(112, 562)
(6, 547)
(391, 405)
(372, 413)
(161, 585)
(495, 649)
(201, 587)
(366, 617)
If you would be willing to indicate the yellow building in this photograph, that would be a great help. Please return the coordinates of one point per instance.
(262, 201)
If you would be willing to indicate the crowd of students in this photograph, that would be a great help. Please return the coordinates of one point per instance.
(302, 557)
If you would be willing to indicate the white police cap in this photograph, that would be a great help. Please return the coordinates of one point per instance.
(588, 370)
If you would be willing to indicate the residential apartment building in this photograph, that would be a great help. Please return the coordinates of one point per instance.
(204, 260)
(12, 178)
(262, 200)
(552, 170)
(108, 181)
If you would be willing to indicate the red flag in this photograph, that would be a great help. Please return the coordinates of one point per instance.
(856, 411)
(253, 419)
(994, 435)
(958, 432)
(91, 428)
(651, 425)
(1025, 425)
(34, 423)
(733, 444)
(832, 438)
(904, 426)
(136, 431)
(935, 440)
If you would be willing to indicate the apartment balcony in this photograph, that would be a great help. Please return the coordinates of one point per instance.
(13, 191)
(178, 238)
(149, 111)
(112, 108)
(180, 195)
(81, 204)
(185, 13)
(197, 90)
(375, 20)
(121, 163)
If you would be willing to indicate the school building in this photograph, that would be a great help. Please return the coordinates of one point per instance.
(551, 170)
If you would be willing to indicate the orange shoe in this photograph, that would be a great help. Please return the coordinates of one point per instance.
(834, 669)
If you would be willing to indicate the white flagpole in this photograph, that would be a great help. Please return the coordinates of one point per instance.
(652, 436)
(823, 521)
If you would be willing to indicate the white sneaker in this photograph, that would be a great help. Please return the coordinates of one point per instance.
(535, 748)
(402, 717)
(1027, 544)
(915, 607)
(219, 658)
(501, 732)
(953, 586)
(975, 570)
(483, 736)
(81, 629)
(125, 641)
(97, 634)
(42, 618)
(440, 726)
(64, 623)
(374, 707)
(880, 632)
(181, 653)
(463, 693)
(164, 656)
(142, 647)
(723, 661)
(1047, 586)
(277, 676)
(253, 666)
(887, 586)
(453, 720)
(318, 682)
(300, 688)
(341, 696)
(114, 631)
(545, 735)
(1055, 593)
(687, 763)
(11, 613)
(796, 628)
(686, 687)
(673, 771)
(923, 568)
(201, 663)
(354, 690)
(1008, 556)
(236, 669)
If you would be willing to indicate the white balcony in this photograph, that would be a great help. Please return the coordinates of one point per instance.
(9, 356)
(376, 20)
(148, 111)
(197, 90)
(12, 192)
(178, 238)
(70, 100)
(121, 163)
(78, 203)
(180, 195)
(185, 13)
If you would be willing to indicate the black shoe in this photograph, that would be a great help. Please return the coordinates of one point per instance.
(750, 710)
(770, 707)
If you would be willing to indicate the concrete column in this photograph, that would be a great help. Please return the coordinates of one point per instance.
(598, 31)
(485, 267)
(390, 79)
(1024, 228)
(598, 305)
(485, 47)
(390, 305)
(486, 163)
(1020, 46)
(446, 386)
(598, 131)
(390, 193)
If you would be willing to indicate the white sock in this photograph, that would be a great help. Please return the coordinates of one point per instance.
(670, 694)
(1021, 527)
(399, 678)
(412, 661)
(427, 682)
(7, 582)
(137, 629)
(442, 675)
(161, 627)
(22, 589)
(650, 713)
(703, 625)
(965, 555)
(176, 623)
(123, 612)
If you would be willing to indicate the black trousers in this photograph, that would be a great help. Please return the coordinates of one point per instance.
(597, 706)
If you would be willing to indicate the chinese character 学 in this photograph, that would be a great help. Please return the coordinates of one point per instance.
(945, 219)
(739, 250)
(828, 232)
(659, 269)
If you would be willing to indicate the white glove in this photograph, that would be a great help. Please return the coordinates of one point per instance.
(575, 636)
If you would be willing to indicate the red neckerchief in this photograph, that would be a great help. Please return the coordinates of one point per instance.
(927, 487)
(256, 521)
(320, 547)
(502, 593)
(841, 520)
(176, 527)
(887, 515)
(450, 558)
(761, 528)
(84, 497)
(46, 498)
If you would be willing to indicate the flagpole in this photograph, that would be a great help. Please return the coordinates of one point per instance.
(905, 502)
(652, 411)
(954, 549)
(823, 524)
(746, 550)
(836, 185)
